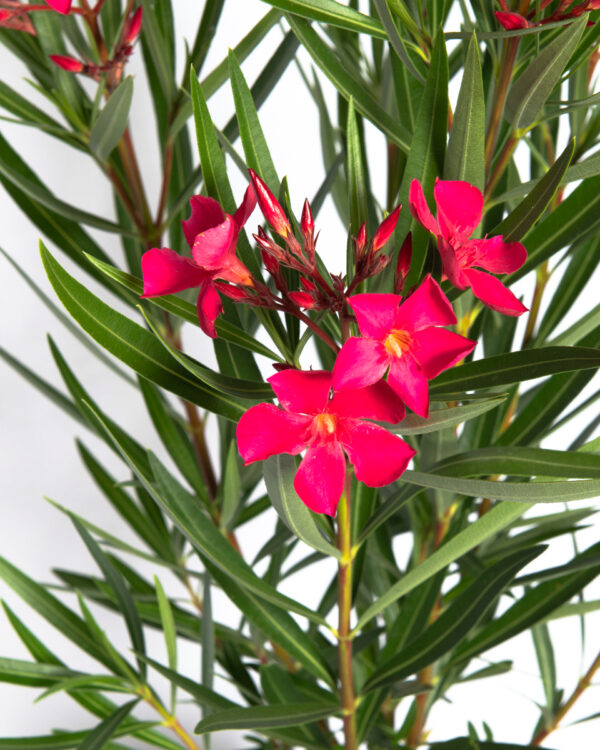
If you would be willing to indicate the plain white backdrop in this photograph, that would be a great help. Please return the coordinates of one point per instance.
(38, 456)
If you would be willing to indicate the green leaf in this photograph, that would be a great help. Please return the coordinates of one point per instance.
(32, 673)
(496, 519)
(425, 160)
(519, 222)
(465, 152)
(123, 597)
(186, 311)
(266, 717)
(255, 146)
(529, 92)
(545, 658)
(51, 609)
(168, 626)
(467, 743)
(536, 604)
(347, 85)
(153, 37)
(112, 120)
(279, 477)
(97, 738)
(231, 488)
(356, 173)
(454, 623)
(450, 416)
(252, 390)
(514, 367)
(576, 216)
(208, 634)
(333, 13)
(395, 38)
(132, 344)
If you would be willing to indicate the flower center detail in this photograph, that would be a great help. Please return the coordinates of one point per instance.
(397, 342)
(324, 426)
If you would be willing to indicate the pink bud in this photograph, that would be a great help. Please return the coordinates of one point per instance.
(308, 285)
(385, 229)
(233, 292)
(361, 240)
(132, 27)
(403, 265)
(302, 299)
(4, 15)
(62, 6)
(270, 262)
(270, 207)
(67, 63)
(512, 21)
(307, 223)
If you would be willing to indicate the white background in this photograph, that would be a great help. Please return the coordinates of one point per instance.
(38, 456)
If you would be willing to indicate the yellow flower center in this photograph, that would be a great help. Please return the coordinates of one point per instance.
(324, 425)
(397, 342)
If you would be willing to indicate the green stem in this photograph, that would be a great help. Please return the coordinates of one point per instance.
(345, 637)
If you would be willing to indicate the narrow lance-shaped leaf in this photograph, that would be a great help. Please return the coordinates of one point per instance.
(529, 92)
(279, 478)
(98, 737)
(258, 717)
(519, 222)
(333, 13)
(112, 120)
(465, 152)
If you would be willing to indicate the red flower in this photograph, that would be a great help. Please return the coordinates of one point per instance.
(459, 208)
(326, 426)
(402, 338)
(212, 235)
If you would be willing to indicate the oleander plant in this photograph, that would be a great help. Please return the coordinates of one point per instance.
(390, 426)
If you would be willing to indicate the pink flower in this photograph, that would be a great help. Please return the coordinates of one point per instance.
(212, 235)
(459, 207)
(62, 6)
(326, 426)
(402, 338)
(270, 206)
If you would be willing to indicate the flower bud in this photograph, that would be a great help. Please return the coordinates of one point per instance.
(307, 223)
(361, 241)
(270, 262)
(132, 27)
(302, 299)
(309, 286)
(385, 229)
(511, 21)
(70, 64)
(403, 265)
(233, 292)
(270, 207)
(4, 14)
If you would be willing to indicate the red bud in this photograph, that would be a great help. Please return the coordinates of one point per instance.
(70, 64)
(361, 240)
(302, 299)
(385, 229)
(132, 27)
(4, 15)
(511, 21)
(270, 262)
(403, 265)
(307, 223)
(270, 207)
(233, 292)
(308, 285)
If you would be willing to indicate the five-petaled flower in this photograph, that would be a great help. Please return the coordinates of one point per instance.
(404, 339)
(459, 209)
(326, 426)
(212, 236)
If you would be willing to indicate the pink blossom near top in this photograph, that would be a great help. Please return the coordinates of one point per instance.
(62, 6)
(403, 338)
(212, 236)
(327, 426)
(459, 209)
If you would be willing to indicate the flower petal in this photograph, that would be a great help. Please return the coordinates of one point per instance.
(209, 307)
(451, 266)
(302, 391)
(459, 208)
(206, 213)
(498, 256)
(375, 313)
(248, 204)
(211, 247)
(493, 293)
(426, 306)
(62, 6)
(379, 457)
(166, 272)
(320, 477)
(360, 362)
(419, 208)
(407, 380)
(436, 349)
(264, 430)
(376, 401)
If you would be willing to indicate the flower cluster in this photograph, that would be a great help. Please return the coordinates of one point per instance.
(404, 341)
